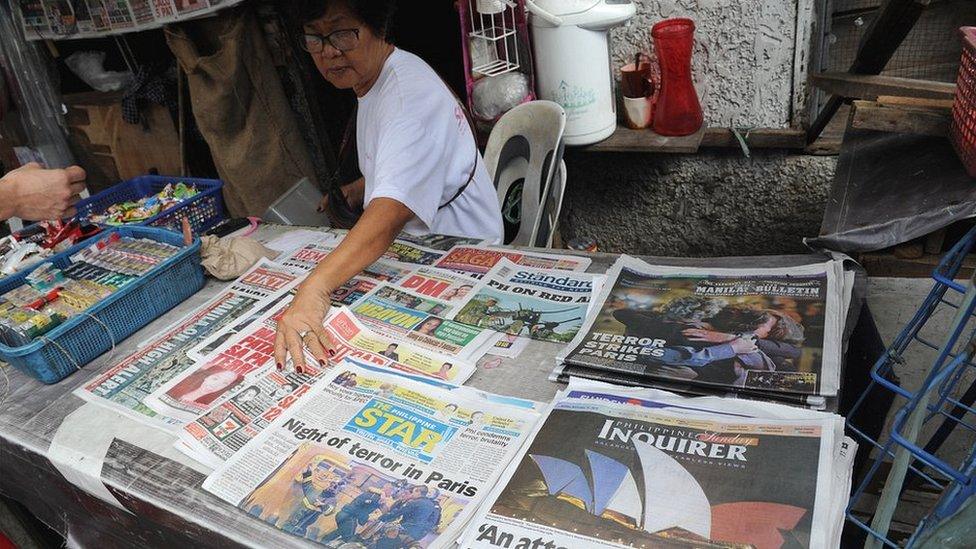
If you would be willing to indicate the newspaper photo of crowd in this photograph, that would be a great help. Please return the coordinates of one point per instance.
(325, 496)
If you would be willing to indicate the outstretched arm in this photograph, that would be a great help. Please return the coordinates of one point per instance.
(381, 222)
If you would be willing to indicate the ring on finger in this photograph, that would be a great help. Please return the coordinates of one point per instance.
(304, 333)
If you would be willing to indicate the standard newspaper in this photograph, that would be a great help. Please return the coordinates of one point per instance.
(375, 460)
(126, 385)
(611, 467)
(776, 330)
(402, 315)
(541, 304)
(476, 261)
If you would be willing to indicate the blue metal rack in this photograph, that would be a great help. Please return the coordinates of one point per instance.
(935, 401)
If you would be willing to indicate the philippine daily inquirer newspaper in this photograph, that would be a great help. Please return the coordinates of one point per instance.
(618, 467)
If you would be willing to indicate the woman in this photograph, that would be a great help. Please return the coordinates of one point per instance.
(422, 172)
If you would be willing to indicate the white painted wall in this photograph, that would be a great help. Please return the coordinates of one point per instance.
(749, 60)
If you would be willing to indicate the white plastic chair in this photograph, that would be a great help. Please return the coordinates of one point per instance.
(524, 157)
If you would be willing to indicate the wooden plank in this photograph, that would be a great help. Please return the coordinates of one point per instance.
(873, 116)
(917, 102)
(886, 264)
(628, 140)
(761, 138)
(870, 86)
(646, 141)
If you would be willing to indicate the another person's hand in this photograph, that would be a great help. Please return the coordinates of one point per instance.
(34, 193)
(301, 325)
(354, 192)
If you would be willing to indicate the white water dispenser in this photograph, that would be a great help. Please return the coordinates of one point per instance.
(570, 44)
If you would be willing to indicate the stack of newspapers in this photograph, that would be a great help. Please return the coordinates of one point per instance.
(385, 448)
(763, 333)
(616, 467)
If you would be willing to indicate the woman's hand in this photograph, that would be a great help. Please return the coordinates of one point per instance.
(711, 336)
(301, 325)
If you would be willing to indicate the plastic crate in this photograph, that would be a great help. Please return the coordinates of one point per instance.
(962, 127)
(79, 340)
(205, 210)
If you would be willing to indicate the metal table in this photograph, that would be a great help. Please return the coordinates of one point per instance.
(161, 499)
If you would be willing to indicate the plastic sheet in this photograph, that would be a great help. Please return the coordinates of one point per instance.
(34, 93)
(891, 188)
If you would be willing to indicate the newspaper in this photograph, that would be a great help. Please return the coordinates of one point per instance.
(776, 330)
(218, 433)
(408, 252)
(540, 304)
(376, 460)
(438, 283)
(125, 386)
(615, 467)
(251, 351)
(305, 259)
(64, 19)
(476, 261)
(439, 241)
(208, 345)
(226, 369)
(402, 315)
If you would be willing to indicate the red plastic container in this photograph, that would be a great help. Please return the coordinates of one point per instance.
(962, 129)
(678, 111)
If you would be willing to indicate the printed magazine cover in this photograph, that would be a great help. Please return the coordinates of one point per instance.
(609, 469)
(765, 329)
(540, 304)
(375, 461)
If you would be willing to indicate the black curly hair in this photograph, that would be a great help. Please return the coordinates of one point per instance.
(377, 15)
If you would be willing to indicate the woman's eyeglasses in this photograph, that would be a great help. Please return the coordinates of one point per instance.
(342, 40)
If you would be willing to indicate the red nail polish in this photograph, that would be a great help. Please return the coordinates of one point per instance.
(280, 367)
(331, 352)
(323, 363)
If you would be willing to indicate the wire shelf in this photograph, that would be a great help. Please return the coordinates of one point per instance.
(495, 68)
(941, 408)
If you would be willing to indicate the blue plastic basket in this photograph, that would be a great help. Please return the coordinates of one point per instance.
(70, 346)
(205, 210)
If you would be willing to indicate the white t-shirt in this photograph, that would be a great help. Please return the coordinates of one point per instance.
(415, 146)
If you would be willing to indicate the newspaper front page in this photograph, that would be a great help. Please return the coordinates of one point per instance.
(64, 19)
(776, 330)
(375, 459)
(402, 315)
(541, 304)
(125, 386)
(306, 258)
(476, 261)
(251, 352)
(403, 251)
(618, 467)
(437, 283)
(215, 434)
